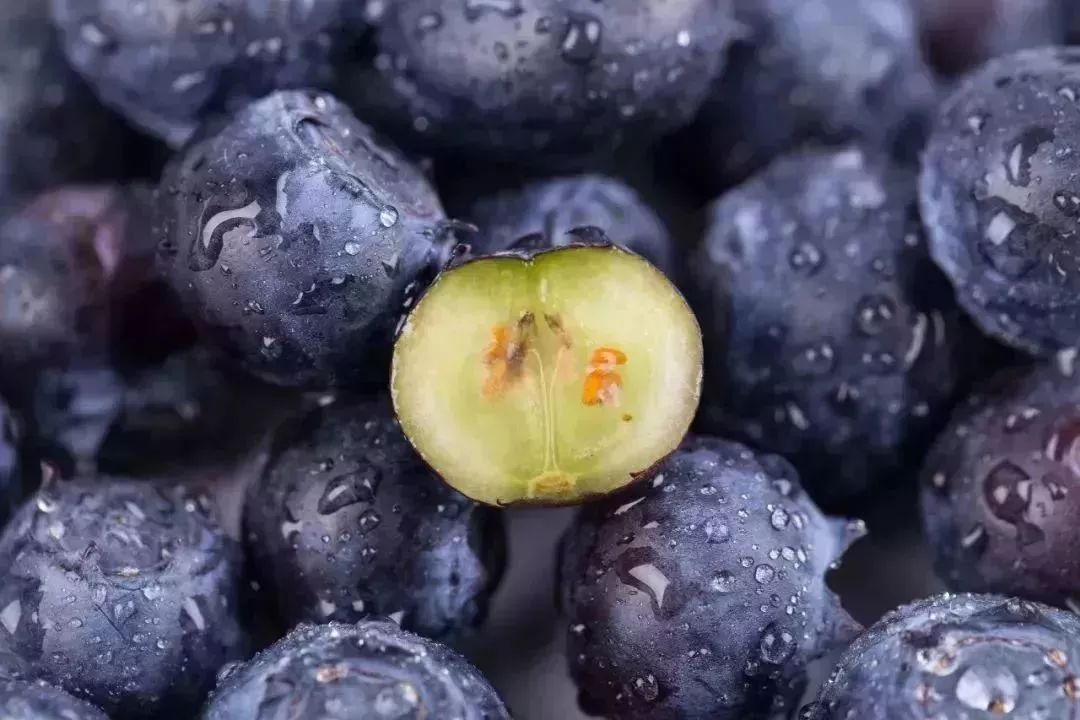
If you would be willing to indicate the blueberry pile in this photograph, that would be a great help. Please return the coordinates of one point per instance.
(545, 359)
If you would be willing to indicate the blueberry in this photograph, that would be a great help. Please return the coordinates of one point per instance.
(10, 477)
(1000, 487)
(962, 34)
(555, 206)
(833, 339)
(346, 522)
(173, 63)
(368, 670)
(121, 592)
(701, 594)
(542, 81)
(1000, 200)
(22, 700)
(67, 257)
(958, 656)
(188, 410)
(295, 237)
(52, 128)
(814, 70)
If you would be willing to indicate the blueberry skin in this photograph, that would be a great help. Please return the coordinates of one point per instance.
(1000, 197)
(963, 34)
(10, 476)
(62, 254)
(372, 669)
(52, 128)
(294, 237)
(814, 70)
(958, 656)
(556, 206)
(21, 700)
(346, 522)
(1001, 486)
(122, 593)
(178, 62)
(849, 368)
(701, 593)
(543, 81)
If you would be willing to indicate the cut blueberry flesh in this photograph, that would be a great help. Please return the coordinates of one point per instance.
(547, 379)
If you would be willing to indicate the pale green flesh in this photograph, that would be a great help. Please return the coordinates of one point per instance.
(534, 439)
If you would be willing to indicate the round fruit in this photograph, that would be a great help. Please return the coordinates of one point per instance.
(343, 672)
(547, 377)
(556, 206)
(62, 258)
(1001, 487)
(346, 522)
(1000, 199)
(958, 656)
(813, 70)
(52, 128)
(537, 80)
(23, 700)
(169, 64)
(122, 593)
(294, 236)
(832, 338)
(702, 594)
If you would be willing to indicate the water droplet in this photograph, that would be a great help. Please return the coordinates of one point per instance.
(636, 568)
(764, 574)
(716, 532)
(349, 489)
(429, 22)
(806, 259)
(723, 582)
(777, 645)
(814, 359)
(352, 248)
(207, 246)
(779, 518)
(873, 314)
(388, 216)
(581, 41)
(474, 9)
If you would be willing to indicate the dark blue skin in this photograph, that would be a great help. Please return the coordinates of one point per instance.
(342, 672)
(700, 593)
(295, 237)
(346, 522)
(830, 336)
(1000, 199)
(960, 656)
(555, 206)
(52, 128)
(70, 256)
(10, 476)
(962, 34)
(1001, 488)
(23, 700)
(123, 593)
(171, 67)
(541, 81)
(813, 70)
